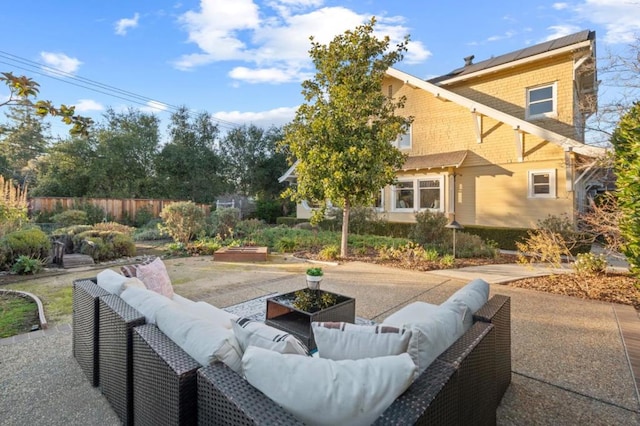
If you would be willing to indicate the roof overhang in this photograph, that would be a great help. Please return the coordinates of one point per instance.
(435, 161)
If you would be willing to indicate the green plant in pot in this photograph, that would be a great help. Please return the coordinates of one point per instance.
(314, 276)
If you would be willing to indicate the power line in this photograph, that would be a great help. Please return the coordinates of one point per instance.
(85, 83)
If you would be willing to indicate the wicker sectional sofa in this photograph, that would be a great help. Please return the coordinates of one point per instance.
(148, 379)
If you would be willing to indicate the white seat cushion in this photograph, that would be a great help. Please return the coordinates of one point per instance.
(325, 392)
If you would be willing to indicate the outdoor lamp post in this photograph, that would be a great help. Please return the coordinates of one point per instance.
(454, 225)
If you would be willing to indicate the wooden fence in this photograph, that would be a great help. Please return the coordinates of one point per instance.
(115, 208)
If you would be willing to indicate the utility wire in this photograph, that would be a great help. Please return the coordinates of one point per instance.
(85, 83)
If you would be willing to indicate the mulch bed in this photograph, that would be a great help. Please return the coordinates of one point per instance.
(612, 287)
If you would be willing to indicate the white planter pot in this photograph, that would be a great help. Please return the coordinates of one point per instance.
(313, 282)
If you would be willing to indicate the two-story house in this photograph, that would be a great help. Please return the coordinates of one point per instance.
(499, 142)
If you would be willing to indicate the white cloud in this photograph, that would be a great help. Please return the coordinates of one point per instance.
(560, 6)
(558, 31)
(154, 106)
(87, 105)
(274, 44)
(274, 117)
(620, 18)
(60, 62)
(123, 25)
(266, 75)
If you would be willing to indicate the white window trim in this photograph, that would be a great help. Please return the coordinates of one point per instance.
(382, 205)
(305, 204)
(416, 194)
(396, 143)
(554, 100)
(394, 188)
(552, 183)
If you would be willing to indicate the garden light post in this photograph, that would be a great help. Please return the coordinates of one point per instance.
(454, 225)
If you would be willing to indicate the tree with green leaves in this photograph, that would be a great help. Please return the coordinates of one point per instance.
(340, 136)
(188, 167)
(251, 161)
(23, 89)
(626, 143)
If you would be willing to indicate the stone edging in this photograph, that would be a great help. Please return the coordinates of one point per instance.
(41, 317)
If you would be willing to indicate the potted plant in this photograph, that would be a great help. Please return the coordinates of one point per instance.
(314, 276)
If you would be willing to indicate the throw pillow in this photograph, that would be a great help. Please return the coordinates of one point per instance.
(254, 333)
(130, 271)
(342, 340)
(325, 392)
(145, 301)
(203, 340)
(155, 277)
(111, 281)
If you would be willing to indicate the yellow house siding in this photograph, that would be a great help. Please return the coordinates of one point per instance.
(506, 91)
(498, 195)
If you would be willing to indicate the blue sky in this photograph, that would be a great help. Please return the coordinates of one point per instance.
(243, 61)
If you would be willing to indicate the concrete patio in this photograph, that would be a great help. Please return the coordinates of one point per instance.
(570, 361)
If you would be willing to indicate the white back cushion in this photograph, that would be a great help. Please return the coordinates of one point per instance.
(473, 295)
(203, 340)
(325, 392)
(147, 302)
(211, 313)
(111, 281)
(342, 340)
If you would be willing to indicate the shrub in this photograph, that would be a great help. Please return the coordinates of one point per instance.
(223, 221)
(505, 238)
(65, 236)
(246, 228)
(203, 246)
(144, 215)
(25, 265)
(589, 264)
(114, 226)
(95, 214)
(469, 245)
(13, 206)
(70, 217)
(147, 234)
(447, 261)
(30, 242)
(104, 245)
(286, 245)
(268, 210)
(330, 252)
(183, 221)
(544, 246)
(430, 228)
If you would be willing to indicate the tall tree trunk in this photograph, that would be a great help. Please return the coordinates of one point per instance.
(345, 228)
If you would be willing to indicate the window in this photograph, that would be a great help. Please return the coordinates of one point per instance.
(541, 101)
(419, 194)
(403, 196)
(542, 184)
(429, 194)
(404, 140)
(379, 202)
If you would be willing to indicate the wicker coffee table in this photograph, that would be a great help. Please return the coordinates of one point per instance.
(295, 311)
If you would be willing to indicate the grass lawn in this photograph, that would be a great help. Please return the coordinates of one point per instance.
(17, 314)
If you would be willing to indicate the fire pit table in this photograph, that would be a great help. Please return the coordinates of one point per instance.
(295, 311)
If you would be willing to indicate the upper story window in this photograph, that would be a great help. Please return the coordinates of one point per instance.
(542, 183)
(404, 140)
(541, 101)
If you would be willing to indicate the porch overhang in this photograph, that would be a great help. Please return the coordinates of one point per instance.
(435, 161)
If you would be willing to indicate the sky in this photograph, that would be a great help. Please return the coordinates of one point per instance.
(243, 61)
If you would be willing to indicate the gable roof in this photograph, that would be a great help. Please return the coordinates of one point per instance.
(556, 46)
(479, 108)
